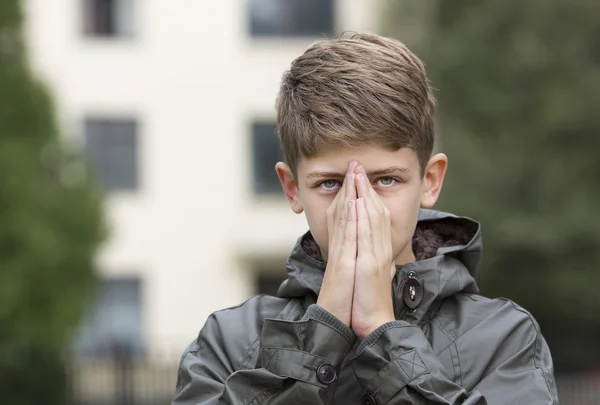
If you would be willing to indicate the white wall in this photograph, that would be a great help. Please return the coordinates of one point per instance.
(195, 81)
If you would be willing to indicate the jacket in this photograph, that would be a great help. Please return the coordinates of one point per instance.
(449, 345)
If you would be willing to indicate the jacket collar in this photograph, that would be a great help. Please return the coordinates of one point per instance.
(448, 251)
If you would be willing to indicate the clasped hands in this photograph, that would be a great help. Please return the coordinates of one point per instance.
(357, 282)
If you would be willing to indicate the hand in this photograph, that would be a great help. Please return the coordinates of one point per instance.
(372, 304)
(338, 282)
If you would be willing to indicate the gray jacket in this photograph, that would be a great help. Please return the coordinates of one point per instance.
(449, 345)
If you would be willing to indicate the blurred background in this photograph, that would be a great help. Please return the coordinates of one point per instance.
(138, 192)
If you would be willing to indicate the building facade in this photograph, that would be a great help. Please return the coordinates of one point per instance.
(173, 102)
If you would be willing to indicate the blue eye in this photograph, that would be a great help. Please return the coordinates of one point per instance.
(329, 185)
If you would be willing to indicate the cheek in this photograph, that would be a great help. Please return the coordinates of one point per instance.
(404, 211)
(315, 210)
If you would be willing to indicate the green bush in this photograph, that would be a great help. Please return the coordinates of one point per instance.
(519, 89)
(51, 225)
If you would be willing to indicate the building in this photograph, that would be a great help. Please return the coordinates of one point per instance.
(174, 104)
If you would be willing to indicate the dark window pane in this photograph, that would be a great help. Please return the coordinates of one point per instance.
(111, 146)
(291, 17)
(108, 17)
(265, 154)
(114, 320)
(99, 19)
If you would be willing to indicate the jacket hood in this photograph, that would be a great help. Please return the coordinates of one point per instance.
(448, 251)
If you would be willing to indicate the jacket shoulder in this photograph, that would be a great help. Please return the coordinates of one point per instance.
(235, 331)
(493, 332)
(470, 315)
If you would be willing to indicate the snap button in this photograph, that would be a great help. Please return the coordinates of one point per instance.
(412, 293)
(326, 374)
(368, 400)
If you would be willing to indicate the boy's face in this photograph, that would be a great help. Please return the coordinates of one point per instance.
(395, 175)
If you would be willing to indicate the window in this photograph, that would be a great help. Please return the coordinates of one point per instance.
(108, 18)
(114, 320)
(291, 18)
(112, 148)
(265, 154)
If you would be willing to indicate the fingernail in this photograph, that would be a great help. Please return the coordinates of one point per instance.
(361, 202)
(361, 177)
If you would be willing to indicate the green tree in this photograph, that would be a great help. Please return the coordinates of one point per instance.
(51, 225)
(519, 89)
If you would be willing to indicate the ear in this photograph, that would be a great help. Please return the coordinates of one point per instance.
(289, 185)
(433, 179)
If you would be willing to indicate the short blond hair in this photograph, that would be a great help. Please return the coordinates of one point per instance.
(352, 90)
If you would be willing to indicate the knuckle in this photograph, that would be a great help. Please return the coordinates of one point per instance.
(376, 222)
(366, 234)
(348, 219)
(348, 237)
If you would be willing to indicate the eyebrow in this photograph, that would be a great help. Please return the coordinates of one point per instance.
(370, 173)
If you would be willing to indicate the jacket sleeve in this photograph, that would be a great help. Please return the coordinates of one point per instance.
(292, 354)
(396, 365)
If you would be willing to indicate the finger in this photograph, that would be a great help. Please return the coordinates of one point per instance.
(368, 189)
(350, 237)
(350, 195)
(352, 166)
(365, 234)
(362, 188)
(351, 187)
(376, 213)
(343, 196)
(334, 210)
(358, 168)
(337, 212)
(350, 180)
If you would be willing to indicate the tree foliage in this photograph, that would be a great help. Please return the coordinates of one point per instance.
(518, 91)
(50, 229)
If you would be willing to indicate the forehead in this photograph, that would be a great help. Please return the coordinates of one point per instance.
(372, 157)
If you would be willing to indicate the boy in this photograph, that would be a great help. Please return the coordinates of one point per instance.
(380, 305)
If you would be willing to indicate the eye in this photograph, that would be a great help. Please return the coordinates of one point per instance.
(385, 182)
(329, 185)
